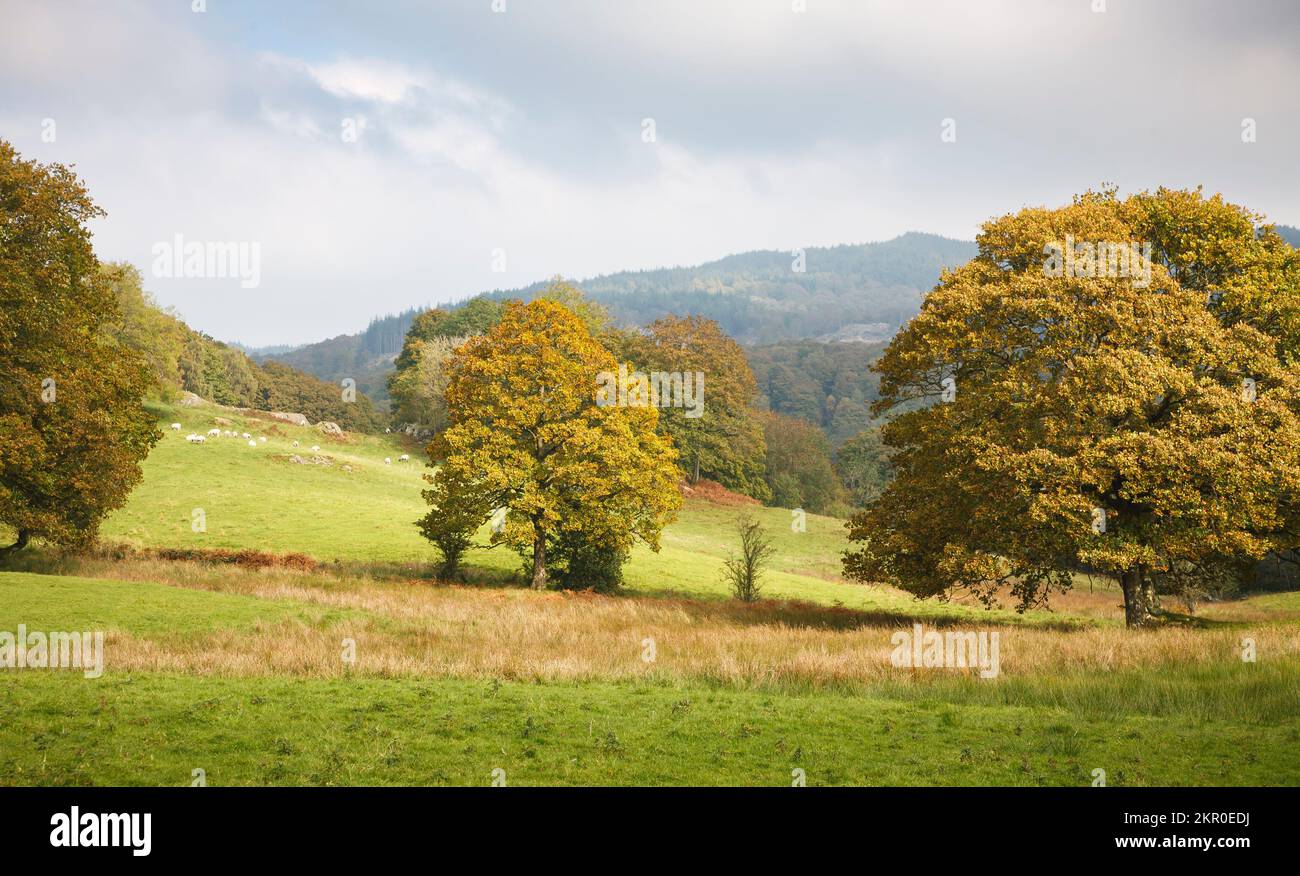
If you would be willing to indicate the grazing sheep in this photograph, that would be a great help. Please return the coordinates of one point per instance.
(261, 438)
(315, 448)
(405, 457)
(295, 444)
(214, 432)
(176, 427)
(387, 461)
(195, 439)
(246, 436)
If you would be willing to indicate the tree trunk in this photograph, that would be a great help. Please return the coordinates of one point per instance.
(23, 537)
(1137, 610)
(695, 478)
(539, 558)
(1152, 597)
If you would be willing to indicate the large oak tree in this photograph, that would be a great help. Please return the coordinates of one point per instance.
(726, 442)
(72, 425)
(526, 435)
(1146, 430)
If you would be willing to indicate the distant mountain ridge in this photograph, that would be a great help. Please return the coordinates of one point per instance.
(846, 292)
(767, 296)
(366, 357)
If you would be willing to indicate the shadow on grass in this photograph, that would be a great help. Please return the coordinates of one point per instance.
(50, 560)
(812, 615)
(791, 613)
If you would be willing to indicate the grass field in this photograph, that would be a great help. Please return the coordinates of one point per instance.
(359, 510)
(246, 673)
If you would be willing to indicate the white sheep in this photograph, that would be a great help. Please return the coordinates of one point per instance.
(295, 444)
(261, 438)
(387, 461)
(214, 432)
(315, 448)
(405, 457)
(246, 436)
(252, 443)
(195, 439)
(176, 427)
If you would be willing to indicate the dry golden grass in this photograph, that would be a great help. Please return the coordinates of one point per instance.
(414, 628)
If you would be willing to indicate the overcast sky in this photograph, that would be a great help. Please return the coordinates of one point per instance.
(523, 131)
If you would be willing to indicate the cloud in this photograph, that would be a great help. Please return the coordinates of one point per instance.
(522, 131)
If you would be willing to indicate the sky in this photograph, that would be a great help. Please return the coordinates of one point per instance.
(373, 156)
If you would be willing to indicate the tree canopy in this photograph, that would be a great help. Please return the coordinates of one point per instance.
(1149, 431)
(73, 428)
(181, 358)
(526, 436)
(725, 443)
(798, 465)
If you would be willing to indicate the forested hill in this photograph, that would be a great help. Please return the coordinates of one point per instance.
(854, 292)
(366, 357)
(182, 359)
(858, 292)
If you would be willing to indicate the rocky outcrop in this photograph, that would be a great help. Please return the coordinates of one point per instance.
(283, 417)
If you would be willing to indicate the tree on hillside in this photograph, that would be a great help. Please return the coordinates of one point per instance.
(415, 386)
(593, 315)
(419, 379)
(284, 388)
(828, 384)
(418, 389)
(863, 466)
(144, 326)
(743, 571)
(475, 317)
(181, 358)
(423, 328)
(527, 436)
(798, 465)
(73, 429)
(418, 384)
(725, 443)
(1079, 420)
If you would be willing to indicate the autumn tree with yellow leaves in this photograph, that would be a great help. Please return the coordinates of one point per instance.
(727, 445)
(528, 442)
(73, 427)
(1142, 422)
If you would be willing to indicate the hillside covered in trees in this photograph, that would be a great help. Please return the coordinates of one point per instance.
(183, 359)
(768, 295)
(366, 357)
(830, 385)
(851, 292)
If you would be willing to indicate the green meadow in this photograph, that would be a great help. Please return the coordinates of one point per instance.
(236, 671)
(359, 509)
